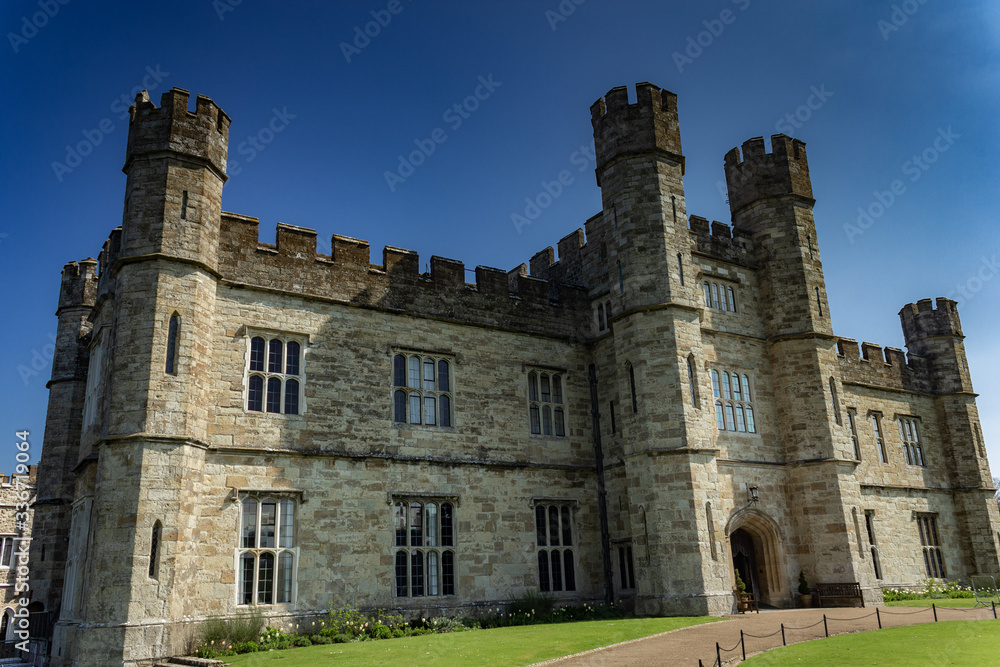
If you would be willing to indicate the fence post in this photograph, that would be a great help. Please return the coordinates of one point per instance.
(718, 654)
(825, 629)
(934, 609)
(879, 617)
(700, 663)
(994, 610)
(743, 646)
(783, 635)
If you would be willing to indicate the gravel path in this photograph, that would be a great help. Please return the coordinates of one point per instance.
(684, 647)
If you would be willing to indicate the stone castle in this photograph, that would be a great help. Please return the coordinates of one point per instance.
(662, 404)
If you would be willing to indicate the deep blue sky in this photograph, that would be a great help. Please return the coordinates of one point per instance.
(888, 93)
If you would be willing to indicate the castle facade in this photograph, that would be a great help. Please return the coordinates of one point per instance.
(657, 405)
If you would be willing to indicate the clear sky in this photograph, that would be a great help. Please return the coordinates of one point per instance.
(868, 85)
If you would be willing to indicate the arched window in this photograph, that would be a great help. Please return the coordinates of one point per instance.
(154, 549)
(420, 567)
(732, 299)
(422, 387)
(274, 376)
(171, 367)
(546, 415)
(631, 381)
(267, 551)
(600, 317)
(553, 528)
(733, 402)
(255, 394)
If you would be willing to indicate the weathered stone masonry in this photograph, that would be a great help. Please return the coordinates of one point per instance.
(149, 468)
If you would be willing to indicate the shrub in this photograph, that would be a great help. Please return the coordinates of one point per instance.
(273, 638)
(341, 638)
(320, 639)
(348, 621)
(221, 636)
(301, 640)
(246, 647)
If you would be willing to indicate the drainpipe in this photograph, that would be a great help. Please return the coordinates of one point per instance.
(602, 493)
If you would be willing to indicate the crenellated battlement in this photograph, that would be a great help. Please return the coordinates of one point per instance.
(202, 134)
(760, 175)
(888, 368)
(921, 320)
(79, 284)
(649, 125)
(498, 298)
(719, 240)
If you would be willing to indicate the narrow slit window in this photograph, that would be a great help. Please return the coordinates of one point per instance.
(154, 547)
(172, 327)
(631, 380)
(680, 268)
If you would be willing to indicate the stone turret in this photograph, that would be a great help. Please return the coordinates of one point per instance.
(640, 169)
(176, 167)
(770, 196)
(61, 444)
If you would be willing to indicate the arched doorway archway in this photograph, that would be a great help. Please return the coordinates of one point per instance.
(756, 552)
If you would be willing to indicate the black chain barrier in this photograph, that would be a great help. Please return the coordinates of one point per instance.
(741, 644)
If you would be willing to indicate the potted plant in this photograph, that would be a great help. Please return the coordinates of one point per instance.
(741, 594)
(805, 595)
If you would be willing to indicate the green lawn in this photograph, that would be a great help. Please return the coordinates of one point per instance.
(502, 646)
(951, 643)
(945, 602)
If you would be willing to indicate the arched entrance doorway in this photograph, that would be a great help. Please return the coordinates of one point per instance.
(745, 560)
(755, 547)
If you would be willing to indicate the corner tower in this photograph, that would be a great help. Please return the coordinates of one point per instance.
(61, 444)
(640, 170)
(771, 198)
(936, 335)
(135, 531)
(656, 329)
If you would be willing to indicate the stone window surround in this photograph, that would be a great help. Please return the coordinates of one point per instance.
(426, 550)
(720, 293)
(277, 495)
(572, 505)
(930, 543)
(875, 418)
(437, 356)
(539, 405)
(744, 404)
(7, 550)
(913, 450)
(248, 333)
